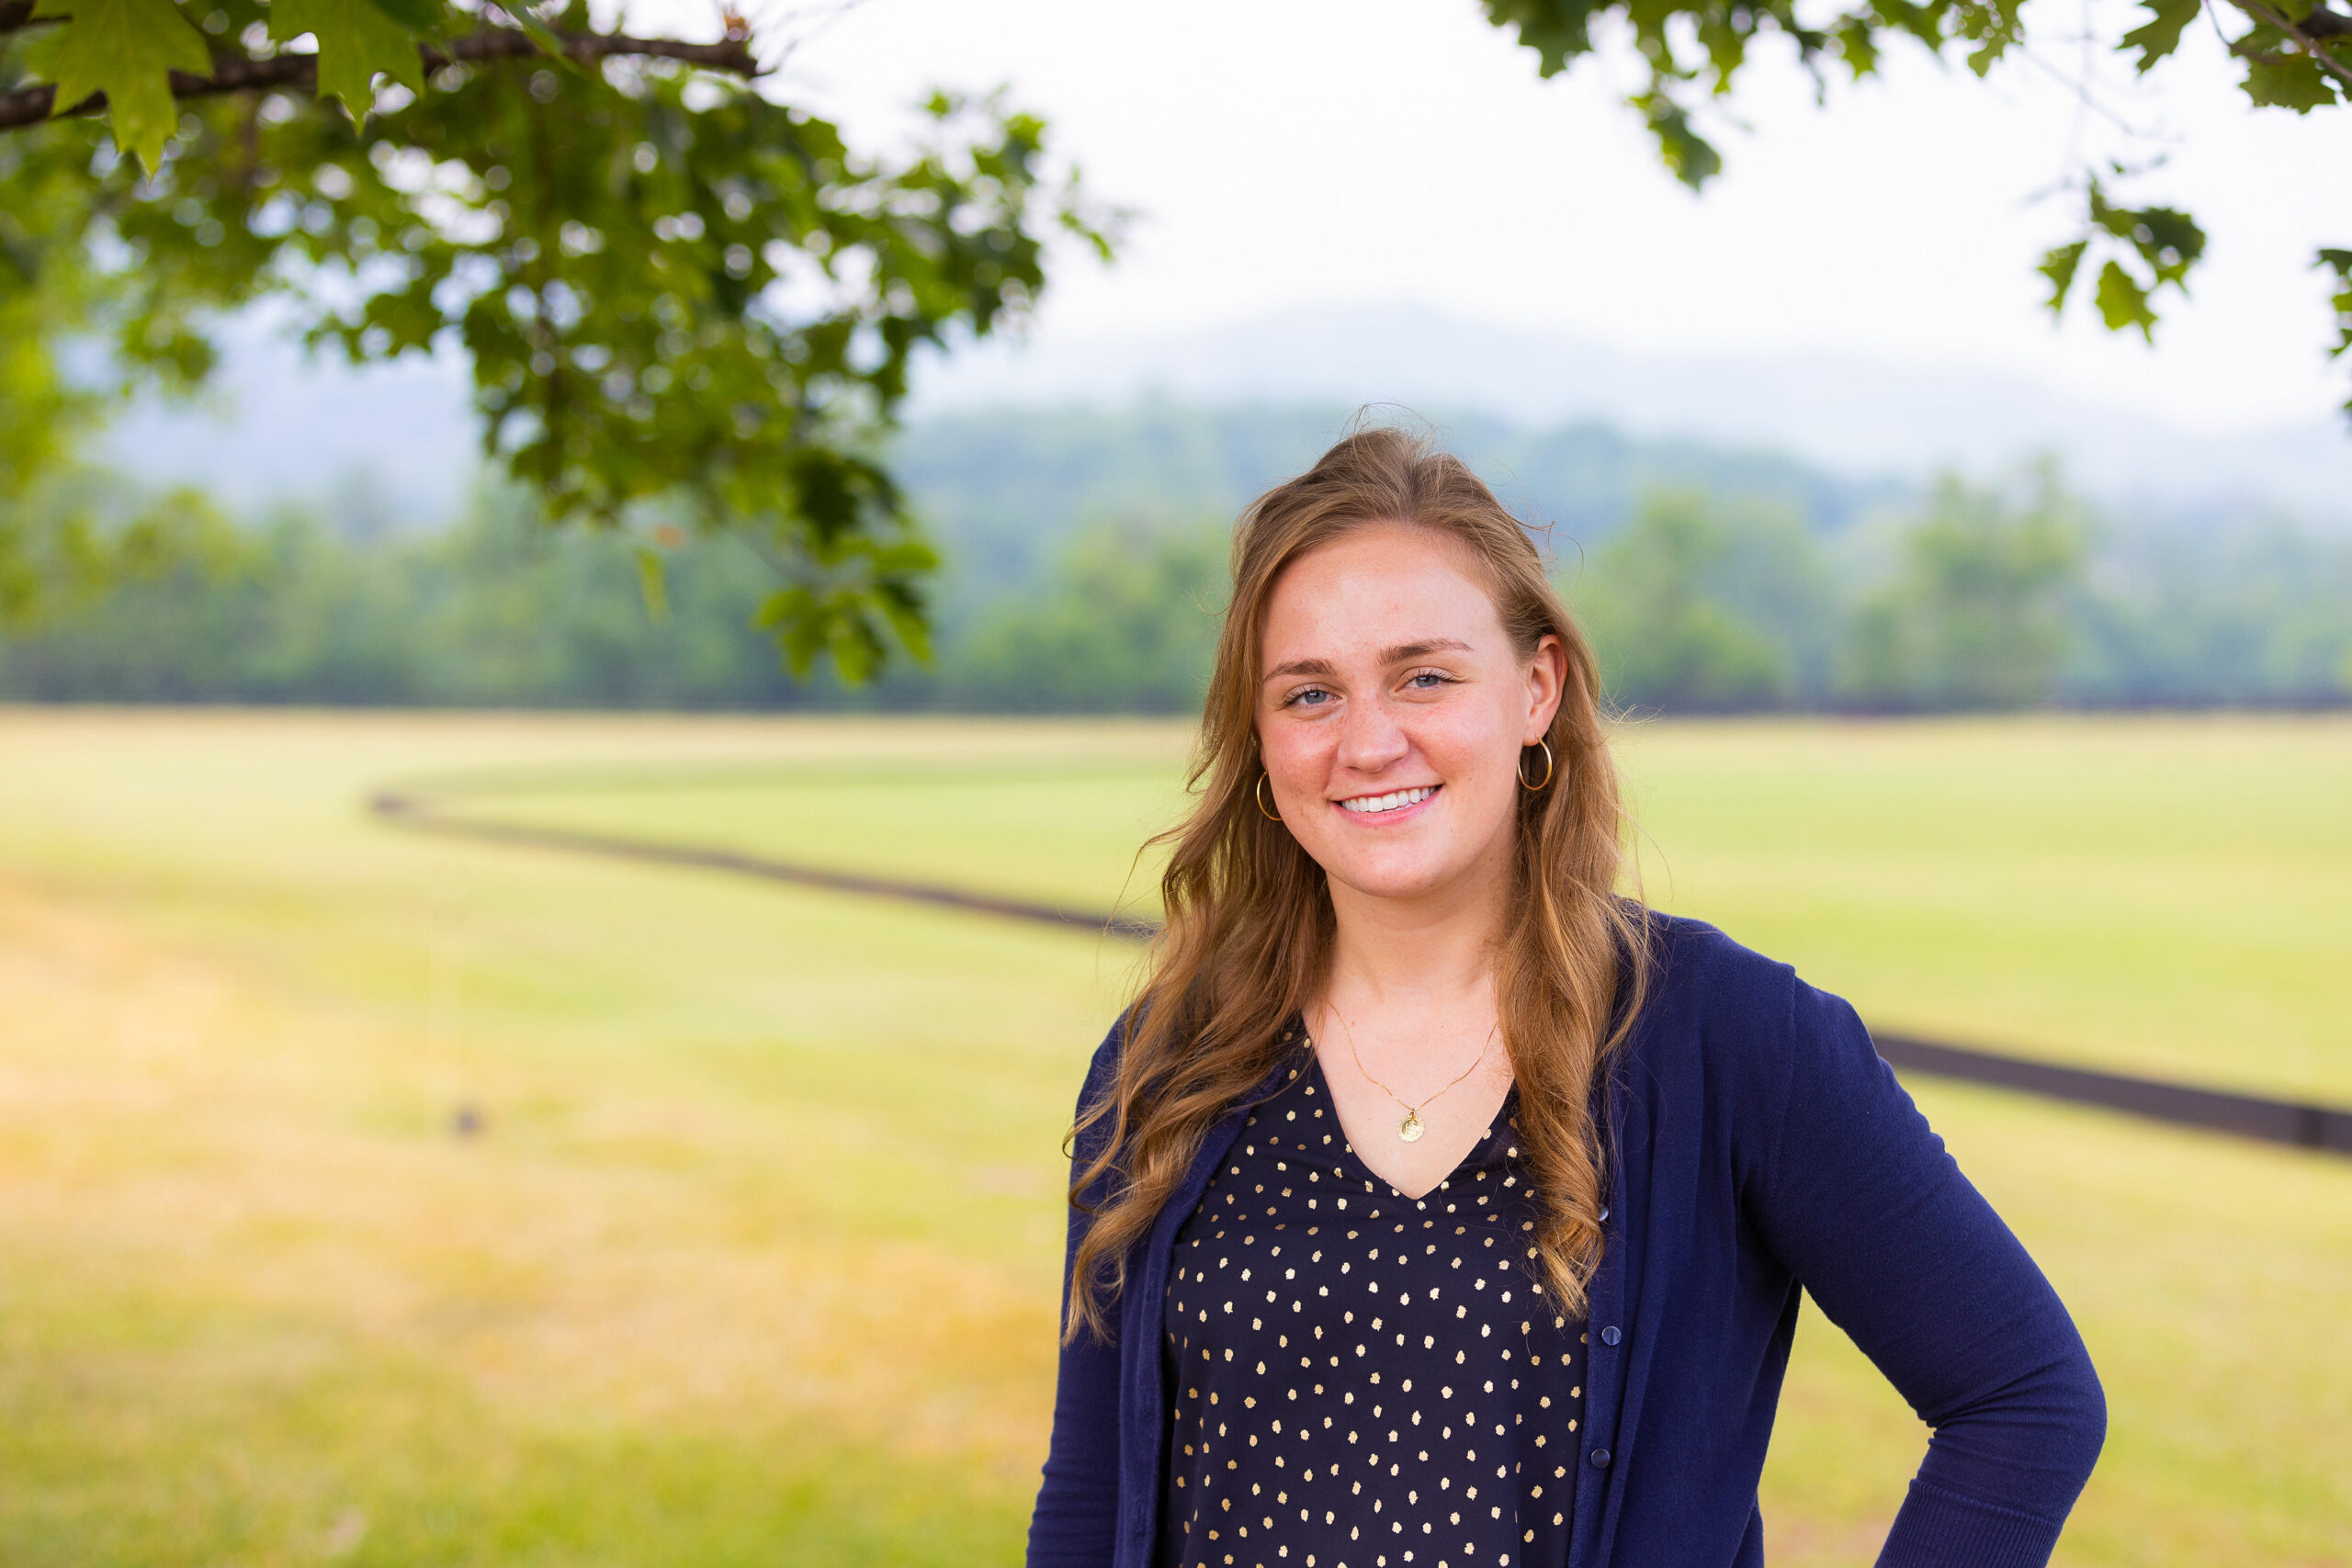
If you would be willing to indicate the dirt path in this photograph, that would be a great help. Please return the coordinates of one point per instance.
(2302, 1124)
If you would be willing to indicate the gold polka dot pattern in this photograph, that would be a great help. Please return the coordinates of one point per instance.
(1358, 1379)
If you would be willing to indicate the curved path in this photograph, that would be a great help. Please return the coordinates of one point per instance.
(2305, 1125)
(411, 810)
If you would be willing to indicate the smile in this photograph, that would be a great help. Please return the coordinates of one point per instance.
(1396, 800)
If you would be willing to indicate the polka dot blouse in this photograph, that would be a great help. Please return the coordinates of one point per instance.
(1360, 1378)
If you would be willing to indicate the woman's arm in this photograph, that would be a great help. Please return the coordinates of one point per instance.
(1859, 1201)
(1076, 1519)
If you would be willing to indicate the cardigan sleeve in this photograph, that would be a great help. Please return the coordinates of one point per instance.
(1076, 1519)
(1860, 1201)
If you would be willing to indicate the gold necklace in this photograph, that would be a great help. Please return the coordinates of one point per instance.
(1411, 1129)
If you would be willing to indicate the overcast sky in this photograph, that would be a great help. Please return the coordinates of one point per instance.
(1288, 153)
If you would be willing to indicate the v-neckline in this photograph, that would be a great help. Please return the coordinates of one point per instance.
(1318, 1080)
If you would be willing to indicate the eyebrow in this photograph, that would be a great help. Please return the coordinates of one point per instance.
(1403, 653)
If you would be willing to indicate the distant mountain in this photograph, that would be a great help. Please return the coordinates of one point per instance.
(1575, 425)
(1002, 488)
(1857, 417)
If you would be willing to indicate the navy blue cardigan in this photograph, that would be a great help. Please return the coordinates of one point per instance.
(1757, 1144)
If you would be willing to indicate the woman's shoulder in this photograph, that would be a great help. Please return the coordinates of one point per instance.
(1103, 1067)
(1723, 1006)
(1695, 964)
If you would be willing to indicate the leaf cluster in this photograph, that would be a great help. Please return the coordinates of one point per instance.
(2340, 263)
(2297, 55)
(1691, 49)
(2155, 247)
(666, 285)
(67, 535)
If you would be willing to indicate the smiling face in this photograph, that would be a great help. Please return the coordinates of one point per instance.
(1392, 713)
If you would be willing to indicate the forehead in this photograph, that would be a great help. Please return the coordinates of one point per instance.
(1379, 585)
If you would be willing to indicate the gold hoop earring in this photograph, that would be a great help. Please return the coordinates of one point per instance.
(1545, 783)
(1260, 792)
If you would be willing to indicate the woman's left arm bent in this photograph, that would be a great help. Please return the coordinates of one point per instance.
(1858, 1198)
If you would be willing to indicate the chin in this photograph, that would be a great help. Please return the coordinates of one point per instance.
(1399, 879)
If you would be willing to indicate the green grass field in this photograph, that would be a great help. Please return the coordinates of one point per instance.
(754, 1260)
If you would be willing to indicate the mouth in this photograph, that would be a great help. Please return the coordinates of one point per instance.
(1383, 805)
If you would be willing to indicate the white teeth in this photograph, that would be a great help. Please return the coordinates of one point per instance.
(1364, 805)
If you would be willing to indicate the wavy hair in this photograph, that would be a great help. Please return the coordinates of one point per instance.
(1249, 933)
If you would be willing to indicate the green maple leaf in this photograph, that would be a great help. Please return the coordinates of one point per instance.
(357, 40)
(2123, 303)
(127, 49)
(2160, 35)
(2289, 82)
(1689, 155)
(2059, 265)
(2341, 262)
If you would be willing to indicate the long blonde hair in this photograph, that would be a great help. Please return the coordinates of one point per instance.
(1249, 933)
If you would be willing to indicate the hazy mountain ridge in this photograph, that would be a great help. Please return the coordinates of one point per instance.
(1002, 488)
(1860, 419)
(401, 438)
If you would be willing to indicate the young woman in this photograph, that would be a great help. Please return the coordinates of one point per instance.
(1436, 1206)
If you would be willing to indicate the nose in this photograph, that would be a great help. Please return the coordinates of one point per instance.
(1370, 738)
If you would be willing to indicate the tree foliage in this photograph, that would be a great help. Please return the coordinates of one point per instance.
(1977, 616)
(1697, 601)
(1128, 620)
(667, 286)
(1696, 606)
(2297, 55)
(66, 533)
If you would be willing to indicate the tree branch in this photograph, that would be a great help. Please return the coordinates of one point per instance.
(2308, 41)
(32, 105)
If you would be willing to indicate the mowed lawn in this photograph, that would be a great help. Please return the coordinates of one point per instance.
(2164, 897)
(754, 1258)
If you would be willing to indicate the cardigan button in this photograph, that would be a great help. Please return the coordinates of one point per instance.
(1601, 1459)
(1611, 1335)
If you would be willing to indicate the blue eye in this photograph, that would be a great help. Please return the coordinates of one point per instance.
(1311, 696)
(1426, 680)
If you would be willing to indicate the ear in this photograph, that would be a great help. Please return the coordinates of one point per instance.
(1548, 679)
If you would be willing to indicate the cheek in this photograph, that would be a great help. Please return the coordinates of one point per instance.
(1464, 741)
(1476, 757)
(1294, 752)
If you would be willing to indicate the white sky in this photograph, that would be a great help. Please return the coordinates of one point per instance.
(1289, 152)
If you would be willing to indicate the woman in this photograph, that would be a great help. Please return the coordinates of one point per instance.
(1435, 1206)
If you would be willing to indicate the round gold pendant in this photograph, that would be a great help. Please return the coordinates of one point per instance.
(1409, 1129)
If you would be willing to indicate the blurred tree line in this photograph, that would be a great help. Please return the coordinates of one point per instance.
(1970, 596)
(498, 610)
(1981, 597)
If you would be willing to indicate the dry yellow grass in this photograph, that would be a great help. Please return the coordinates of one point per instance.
(216, 1192)
(721, 1277)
